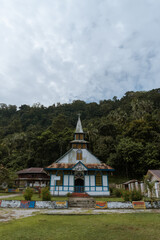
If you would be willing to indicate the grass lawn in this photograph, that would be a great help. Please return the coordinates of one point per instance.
(5, 194)
(109, 199)
(36, 198)
(137, 226)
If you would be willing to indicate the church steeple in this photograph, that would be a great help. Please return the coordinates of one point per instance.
(79, 141)
(79, 128)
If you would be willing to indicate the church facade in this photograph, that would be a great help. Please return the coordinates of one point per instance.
(79, 170)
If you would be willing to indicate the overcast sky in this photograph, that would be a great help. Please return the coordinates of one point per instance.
(62, 50)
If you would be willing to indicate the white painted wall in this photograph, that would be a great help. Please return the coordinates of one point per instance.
(88, 181)
(87, 157)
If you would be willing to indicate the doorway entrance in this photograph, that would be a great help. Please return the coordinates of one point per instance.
(79, 185)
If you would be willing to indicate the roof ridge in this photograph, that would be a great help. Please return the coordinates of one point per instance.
(63, 155)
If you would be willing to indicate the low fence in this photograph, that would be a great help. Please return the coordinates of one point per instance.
(127, 205)
(135, 185)
(33, 204)
(64, 204)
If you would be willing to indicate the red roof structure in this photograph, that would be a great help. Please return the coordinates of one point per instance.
(70, 166)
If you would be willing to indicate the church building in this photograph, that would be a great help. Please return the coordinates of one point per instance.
(78, 170)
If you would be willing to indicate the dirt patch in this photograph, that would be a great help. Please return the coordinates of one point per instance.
(7, 214)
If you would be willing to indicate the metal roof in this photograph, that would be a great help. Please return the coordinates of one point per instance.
(70, 166)
(130, 181)
(156, 173)
(32, 170)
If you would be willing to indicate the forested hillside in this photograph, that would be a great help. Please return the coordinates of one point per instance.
(123, 133)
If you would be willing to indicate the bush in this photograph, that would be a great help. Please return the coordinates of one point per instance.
(111, 190)
(45, 194)
(117, 192)
(126, 195)
(135, 195)
(131, 195)
(28, 193)
(69, 194)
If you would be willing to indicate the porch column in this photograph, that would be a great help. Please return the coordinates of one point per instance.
(156, 189)
(137, 186)
(142, 187)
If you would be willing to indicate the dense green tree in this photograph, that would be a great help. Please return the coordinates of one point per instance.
(124, 133)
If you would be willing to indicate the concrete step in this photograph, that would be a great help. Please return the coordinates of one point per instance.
(80, 195)
(81, 202)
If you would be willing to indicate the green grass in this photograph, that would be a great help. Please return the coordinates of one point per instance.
(140, 226)
(36, 198)
(109, 199)
(5, 194)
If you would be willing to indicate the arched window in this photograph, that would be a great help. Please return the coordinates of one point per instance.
(98, 179)
(79, 154)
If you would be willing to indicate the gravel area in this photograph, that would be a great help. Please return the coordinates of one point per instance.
(8, 214)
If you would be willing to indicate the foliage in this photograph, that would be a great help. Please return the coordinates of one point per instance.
(126, 195)
(28, 193)
(117, 192)
(45, 194)
(149, 186)
(69, 194)
(4, 174)
(124, 133)
(135, 195)
(7, 177)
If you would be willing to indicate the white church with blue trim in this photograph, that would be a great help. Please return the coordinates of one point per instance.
(79, 170)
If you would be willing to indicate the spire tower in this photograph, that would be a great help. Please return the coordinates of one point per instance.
(79, 128)
(79, 141)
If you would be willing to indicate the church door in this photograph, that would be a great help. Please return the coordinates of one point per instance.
(79, 185)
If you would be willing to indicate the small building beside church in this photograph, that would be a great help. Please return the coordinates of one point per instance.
(78, 170)
(32, 177)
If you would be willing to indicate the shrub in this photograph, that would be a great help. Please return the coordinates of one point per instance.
(69, 194)
(111, 190)
(131, 195)
(28, 193)
(117, 192)
(126, 195)
(45, 194)
(135, 195)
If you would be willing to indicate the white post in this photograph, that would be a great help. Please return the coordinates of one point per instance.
(156, 189)
(136, 185)
(142, 187)
(132, 186)
(148, 192)
(129, 187)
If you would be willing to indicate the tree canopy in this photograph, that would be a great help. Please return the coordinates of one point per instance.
(124, 133)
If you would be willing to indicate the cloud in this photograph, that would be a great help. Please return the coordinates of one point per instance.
(58, 51)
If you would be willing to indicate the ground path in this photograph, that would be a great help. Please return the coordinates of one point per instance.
(10, 195)
(7, 214)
